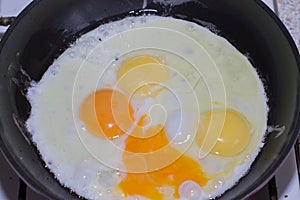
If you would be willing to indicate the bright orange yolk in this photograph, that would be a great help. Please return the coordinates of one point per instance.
(151, 161)
(107, 113)
(173, 175)
(224, 132)
(142, 74)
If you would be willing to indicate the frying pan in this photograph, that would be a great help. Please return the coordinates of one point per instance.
(46, 28)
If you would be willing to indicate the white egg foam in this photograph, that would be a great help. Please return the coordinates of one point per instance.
(58, 132)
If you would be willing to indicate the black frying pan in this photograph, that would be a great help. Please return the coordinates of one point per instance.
(46, 27)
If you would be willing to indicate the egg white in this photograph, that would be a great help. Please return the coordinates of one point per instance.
(205, 68)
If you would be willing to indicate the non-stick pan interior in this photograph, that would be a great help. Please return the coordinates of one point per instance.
(47, 27)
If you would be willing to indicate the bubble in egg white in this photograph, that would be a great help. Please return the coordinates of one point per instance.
(109, 178)
(189, 190)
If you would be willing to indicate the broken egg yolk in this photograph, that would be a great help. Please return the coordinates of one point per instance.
(172, 174)
(106, 113)
(151, 162)
(162, 164)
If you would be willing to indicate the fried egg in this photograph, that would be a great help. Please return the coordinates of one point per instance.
(149, 107)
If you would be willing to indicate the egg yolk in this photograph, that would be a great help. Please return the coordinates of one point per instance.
(142, 74)
(173, 174)
(106, 113)
(223, 132)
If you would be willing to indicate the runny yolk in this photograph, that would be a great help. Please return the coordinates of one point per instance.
(142, 74)
(106, 113)
(151, 162)
(173, 174)
(223, 132)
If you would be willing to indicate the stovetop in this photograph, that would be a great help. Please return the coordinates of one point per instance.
(283, 186)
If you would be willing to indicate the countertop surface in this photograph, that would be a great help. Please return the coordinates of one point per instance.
(286, 181)
(289, 13)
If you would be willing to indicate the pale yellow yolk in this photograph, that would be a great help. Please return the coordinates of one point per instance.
(142, 74)
(106, 113)
(223, 132)
(103, 111)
